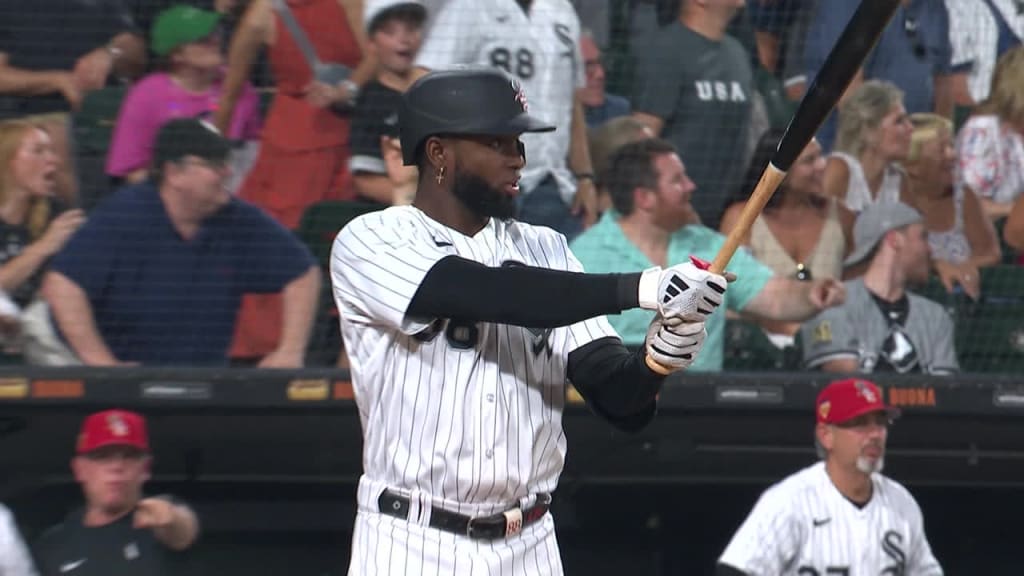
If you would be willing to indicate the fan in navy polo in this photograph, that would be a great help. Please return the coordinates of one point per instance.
(161, 297)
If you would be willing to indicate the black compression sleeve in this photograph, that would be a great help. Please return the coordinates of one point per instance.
(520, 295)
(616, 383)
(726, 570)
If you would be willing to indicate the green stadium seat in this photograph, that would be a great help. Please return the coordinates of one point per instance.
(990, 332)
(94, 121)
(1009, 252)
(778, 106)
(319, 226)
(321, 222)
(748, 349)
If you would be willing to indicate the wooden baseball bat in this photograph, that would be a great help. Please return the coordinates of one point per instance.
(857, 40)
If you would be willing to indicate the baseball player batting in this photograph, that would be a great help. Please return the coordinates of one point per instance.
(840, 516)
(464, 327)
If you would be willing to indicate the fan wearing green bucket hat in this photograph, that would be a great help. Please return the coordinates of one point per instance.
(188, 42)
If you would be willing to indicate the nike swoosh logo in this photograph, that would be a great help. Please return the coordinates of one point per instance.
(441, 243)
(821, 522)
(72, 565)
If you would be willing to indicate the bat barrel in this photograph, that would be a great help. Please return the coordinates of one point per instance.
(858, 38)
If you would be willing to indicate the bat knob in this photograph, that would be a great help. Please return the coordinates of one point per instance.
(702, 264)
(657, 368)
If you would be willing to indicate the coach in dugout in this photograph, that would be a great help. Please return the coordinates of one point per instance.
(118, 530)
(882, 327)
(157, 273)
(840, 515)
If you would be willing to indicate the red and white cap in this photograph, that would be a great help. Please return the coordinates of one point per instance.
(113, 428)
(844, 400)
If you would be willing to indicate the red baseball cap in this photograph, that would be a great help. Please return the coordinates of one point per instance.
(844, 400)
(113, 428)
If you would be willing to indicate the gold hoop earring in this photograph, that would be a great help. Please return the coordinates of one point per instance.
(440, 175)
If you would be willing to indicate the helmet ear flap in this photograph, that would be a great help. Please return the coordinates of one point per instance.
(522, 149)
(417, 155)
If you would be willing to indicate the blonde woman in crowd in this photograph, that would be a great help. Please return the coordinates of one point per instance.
(990, 147)
(961, 238)
(873, 137)
(30, 232)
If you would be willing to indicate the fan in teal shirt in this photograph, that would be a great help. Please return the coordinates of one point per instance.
(605, 249)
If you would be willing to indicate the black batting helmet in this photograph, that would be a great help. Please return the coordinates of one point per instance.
(470, 100)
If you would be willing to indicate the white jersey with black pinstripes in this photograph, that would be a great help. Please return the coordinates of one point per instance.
(465, 414)
(803, 526)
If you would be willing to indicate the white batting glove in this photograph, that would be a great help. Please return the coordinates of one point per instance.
(674, 347)
(683, 291)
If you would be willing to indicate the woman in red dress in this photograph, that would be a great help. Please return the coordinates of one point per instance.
(304, 148)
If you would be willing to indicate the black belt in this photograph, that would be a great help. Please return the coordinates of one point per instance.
(507, 523)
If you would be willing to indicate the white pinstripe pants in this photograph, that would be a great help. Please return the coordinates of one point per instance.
(387, 546)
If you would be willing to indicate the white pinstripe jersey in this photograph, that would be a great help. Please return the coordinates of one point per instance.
(14, 555)
(804, 526)
(540, 49)
(467, 412)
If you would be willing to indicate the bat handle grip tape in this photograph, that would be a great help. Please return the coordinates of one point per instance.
(657, 368)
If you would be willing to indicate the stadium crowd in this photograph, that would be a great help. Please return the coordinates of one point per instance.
(306, 95)
(172, 173)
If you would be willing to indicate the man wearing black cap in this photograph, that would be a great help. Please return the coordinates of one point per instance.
(882, 326)
(156, 274)
(464, 327)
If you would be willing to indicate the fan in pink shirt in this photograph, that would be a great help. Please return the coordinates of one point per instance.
(189, 41)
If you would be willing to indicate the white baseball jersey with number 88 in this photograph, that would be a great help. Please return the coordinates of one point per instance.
(540, 49)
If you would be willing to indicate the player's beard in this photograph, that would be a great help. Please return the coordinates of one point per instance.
(481, 198)
(869, 466)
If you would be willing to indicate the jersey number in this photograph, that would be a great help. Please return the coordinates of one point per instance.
(830, 571)
(522, 67)
(461, 334)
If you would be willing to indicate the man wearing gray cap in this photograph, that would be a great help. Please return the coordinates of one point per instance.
(882, 327)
